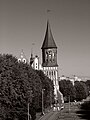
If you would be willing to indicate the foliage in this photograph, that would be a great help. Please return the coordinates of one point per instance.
(19, 84)
(67, 89)
(88, 86)
(80, 90)
(47, 85)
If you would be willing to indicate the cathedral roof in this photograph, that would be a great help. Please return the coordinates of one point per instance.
(48, 40)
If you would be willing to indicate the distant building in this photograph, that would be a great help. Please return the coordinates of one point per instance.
(34, 62)
(76, 78)
(63, 78)
(71, 78)
(22, 57)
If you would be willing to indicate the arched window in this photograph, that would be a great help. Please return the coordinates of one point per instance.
(52, 73)
(24, 60)
(19, 60)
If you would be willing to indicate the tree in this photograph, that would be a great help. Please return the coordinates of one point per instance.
(47, 85)
(19, 85)
(88, 86)
(85, 88)
(80, 90)
(67, 89)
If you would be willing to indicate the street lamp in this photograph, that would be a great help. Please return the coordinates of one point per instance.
(29, 116)
(69, 103)
(28, 111)
(42, 102)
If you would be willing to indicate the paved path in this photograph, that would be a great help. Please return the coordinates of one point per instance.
(64, 114)
(50, 116)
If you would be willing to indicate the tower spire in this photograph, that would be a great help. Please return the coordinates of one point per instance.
(32, 58)
(48, 40)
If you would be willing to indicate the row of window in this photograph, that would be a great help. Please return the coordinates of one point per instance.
(23, 60)
(50, 73)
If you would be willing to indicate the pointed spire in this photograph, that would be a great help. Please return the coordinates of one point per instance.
(31, 59)
(31, 55)
(22, 55)
(48, 40)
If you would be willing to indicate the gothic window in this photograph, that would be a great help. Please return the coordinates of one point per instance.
(46, 56)
(24, 60)
(47, 73)
(50, 55)
(50, 58)
(52, 73)
(53, 57)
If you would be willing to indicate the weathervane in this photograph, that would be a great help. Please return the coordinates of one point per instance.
(48, 11)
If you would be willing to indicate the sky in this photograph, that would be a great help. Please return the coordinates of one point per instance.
(23, 22)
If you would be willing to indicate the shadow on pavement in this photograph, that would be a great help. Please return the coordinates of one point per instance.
(84, 111)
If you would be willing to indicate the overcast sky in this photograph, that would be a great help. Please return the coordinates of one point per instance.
(23, 22)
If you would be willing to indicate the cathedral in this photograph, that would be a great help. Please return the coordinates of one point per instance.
(49, 61)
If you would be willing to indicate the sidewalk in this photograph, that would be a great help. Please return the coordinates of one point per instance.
(68, 113)
(39, 115)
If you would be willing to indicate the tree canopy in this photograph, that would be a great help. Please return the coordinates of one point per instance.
(19, 85)
(80, 90)
(47, 85)
(67, 89)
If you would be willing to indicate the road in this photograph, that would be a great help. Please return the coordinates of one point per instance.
(52, 115)
(65, 114)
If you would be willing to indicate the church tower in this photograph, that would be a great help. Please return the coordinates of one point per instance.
(34, 62)
(49, 58)
(22, 57)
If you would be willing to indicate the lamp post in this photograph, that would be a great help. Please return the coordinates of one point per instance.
(69, 103)
(42, 102)
(29, 115)
(28, 111)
